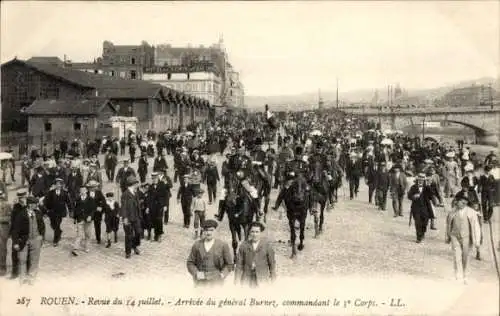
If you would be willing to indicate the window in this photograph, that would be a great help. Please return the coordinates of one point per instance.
(169, 76)
(132, 61)
(159, 109)
(133, 74)
(48, 127)
(112, 73)
(77, 126)
(96, 71)
(188, 75)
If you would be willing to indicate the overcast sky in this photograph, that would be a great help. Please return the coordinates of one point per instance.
(279, 47)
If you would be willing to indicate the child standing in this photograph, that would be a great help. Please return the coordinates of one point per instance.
(112, 219)
(198, 207)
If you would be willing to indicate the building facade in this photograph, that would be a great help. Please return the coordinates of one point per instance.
(155, 106)
(236, 91)
(122, 61)
(203, 85)
(476, 95)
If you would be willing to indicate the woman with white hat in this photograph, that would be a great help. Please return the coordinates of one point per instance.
(451, 174)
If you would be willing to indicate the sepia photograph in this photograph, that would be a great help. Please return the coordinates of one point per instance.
(250, 158)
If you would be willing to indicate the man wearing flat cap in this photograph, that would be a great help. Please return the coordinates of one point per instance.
(130, 213)
(209, 261)
(463, 232)
(57, 203)
(256, 262)
(27, 230)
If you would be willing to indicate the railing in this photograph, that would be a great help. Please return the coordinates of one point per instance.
(23, 143)
(422, 110)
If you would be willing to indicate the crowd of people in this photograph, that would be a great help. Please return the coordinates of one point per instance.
(68, 182)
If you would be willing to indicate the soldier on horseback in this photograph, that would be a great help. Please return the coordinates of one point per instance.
(300, 169)
(284, 156)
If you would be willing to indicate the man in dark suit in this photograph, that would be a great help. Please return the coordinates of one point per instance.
(256, 262)
(57, 203)
(160, 162)
(168, 194)
(354, 170)
(39, 185)
(142, 168)
(211, 176)
(5, 216)
(209, 261)
(156, 205)
(130, 214)
(382, 180)
(397, 186)
(123, 173)
(95, 204)
(421, 209)
(110, 163)
(185, 197)
(27, 231)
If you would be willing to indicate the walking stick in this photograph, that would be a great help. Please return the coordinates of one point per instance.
(493, 249)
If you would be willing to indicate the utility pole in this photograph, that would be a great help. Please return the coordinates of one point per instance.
(491, 96)
(337, 99)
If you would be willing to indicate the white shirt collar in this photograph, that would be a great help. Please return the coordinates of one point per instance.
(255, 244)
(208, 244)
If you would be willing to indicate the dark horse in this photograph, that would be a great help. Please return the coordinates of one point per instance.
(262, 182)
(320, 188)
(240, 208)
(296, 210)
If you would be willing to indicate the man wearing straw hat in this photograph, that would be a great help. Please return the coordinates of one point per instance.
(96, 202)
(463, 232)
(130, 213)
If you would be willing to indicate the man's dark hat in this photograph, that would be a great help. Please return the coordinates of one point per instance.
(31, 200)
(299, 150)
(131, 180)
(22, 193)
(210, 223)
(110, 194)
(258, 141)
(258, 224)
(462, 196)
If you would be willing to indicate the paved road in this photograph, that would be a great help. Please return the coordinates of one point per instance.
(358, 241)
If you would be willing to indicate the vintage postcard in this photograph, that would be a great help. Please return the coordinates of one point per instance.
(250, 158)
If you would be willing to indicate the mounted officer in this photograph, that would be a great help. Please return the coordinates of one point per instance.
(285, 155)
(300, 169)
(259, 158)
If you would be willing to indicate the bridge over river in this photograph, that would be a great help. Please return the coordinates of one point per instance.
(485, 121)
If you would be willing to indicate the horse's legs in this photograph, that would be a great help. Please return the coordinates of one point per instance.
(266, 206)
(322, 215)
(293, 237)
(235, 237)
(302, 221)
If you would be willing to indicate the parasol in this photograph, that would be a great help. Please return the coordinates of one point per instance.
(316, 133)
(387, 141)
(188, 133)
(5, 156)
(387, 132)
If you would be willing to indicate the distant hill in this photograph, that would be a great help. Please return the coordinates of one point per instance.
(305, 100)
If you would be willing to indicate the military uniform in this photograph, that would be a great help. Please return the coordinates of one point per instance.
(5, 214)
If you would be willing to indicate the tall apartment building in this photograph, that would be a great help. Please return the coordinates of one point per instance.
(123, 61)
